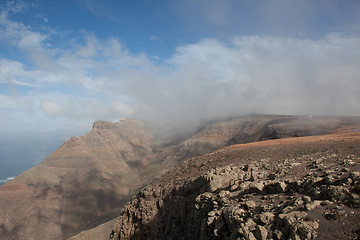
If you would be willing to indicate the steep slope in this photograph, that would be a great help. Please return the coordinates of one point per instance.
(85, 182)
(298, 188)
(84, 178)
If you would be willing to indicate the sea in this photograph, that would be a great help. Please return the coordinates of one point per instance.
(9, 172)
(4, 180)
(22, 151)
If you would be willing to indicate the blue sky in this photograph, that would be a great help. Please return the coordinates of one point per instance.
(65, 64)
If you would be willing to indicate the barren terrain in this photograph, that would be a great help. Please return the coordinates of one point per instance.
(84, 184)
(293, 188)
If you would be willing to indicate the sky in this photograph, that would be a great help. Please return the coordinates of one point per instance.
(65, 64)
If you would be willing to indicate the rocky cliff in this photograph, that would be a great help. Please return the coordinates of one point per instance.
(83, 179)
(89, 178)
(299, 188)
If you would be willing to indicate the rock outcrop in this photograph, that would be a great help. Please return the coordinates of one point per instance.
(300, 188)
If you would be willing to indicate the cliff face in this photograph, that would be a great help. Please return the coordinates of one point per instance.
(300, 188)
(86, 181)
(84, 178)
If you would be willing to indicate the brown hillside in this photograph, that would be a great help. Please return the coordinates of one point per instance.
(85, 182)
(298, 188)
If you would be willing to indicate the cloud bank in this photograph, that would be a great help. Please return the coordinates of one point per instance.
(208, 79)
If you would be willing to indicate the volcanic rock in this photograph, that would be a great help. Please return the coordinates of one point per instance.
(204, 204)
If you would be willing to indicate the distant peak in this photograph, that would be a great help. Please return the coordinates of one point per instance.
(101, 124)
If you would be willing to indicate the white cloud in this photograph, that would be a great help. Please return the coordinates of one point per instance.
(99, 9)
(209, 79)
(90, 49)
(6, 103)
(52, 109)
(15, 6)
(255, 74)
(205, 80)
(154, 38)
(43, 18)
(19, 35)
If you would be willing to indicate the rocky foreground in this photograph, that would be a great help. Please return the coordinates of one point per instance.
(294, 188)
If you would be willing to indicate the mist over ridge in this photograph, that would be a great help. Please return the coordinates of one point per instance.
(270, 75)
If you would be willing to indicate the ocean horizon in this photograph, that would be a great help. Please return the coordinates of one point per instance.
(8, 173)
(5, 180)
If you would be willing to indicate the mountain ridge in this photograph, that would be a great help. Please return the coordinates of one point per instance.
(90, 175)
